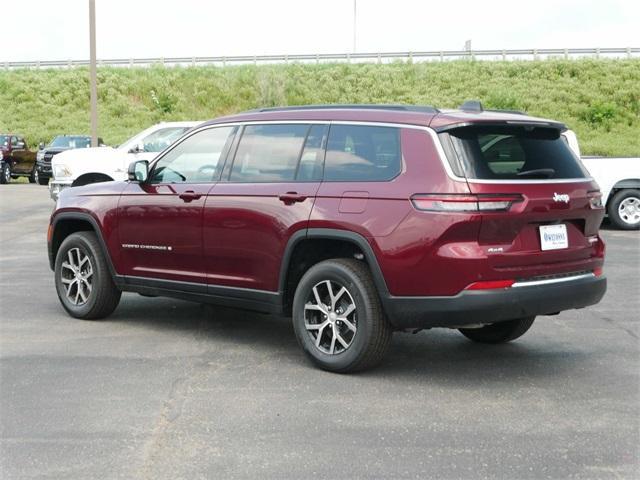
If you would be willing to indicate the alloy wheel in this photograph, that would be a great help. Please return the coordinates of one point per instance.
(330, 317)
(77, 276)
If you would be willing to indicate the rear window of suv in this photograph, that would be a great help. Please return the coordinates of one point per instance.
(510, 153)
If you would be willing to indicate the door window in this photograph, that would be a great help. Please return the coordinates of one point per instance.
(312, 159)
(268, 153)
(362, 153)
(195, 160)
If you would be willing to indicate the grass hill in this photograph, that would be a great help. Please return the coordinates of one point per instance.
(599, 99)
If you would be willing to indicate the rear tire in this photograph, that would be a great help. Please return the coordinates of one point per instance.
(83, 279)
(337, 301)
(624, 209)
(500, 332)
(5, 174)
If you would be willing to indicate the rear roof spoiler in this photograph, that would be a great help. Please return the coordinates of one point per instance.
(504, 123)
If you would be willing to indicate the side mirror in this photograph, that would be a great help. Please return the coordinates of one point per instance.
(41, 146)
(138, 171)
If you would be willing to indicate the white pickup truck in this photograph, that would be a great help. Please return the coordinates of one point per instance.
(619, 181)
(74, 168)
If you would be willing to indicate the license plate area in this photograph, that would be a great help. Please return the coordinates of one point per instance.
(553, 237)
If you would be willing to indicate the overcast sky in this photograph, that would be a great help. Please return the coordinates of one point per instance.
(58, 30)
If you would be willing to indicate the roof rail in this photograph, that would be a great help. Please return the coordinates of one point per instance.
(406, 108)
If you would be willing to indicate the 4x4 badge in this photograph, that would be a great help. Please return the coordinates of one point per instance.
(560, 197)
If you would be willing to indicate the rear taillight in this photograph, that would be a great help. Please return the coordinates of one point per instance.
(595, 199)
(464, 203)
(598, 271)
(491, 285)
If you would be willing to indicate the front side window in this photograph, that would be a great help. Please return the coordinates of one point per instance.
(268, 153)
(511, 153)
(195, 160)
(362, 153)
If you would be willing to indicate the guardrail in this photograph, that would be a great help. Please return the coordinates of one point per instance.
(379, 57)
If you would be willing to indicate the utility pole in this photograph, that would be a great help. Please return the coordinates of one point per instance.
(93, 88)
(354, 26)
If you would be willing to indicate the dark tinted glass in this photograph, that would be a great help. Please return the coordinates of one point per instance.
(512, 153)
(69, 141)
(362, 153)
(268, 153)
(195, 160)
(312, 159)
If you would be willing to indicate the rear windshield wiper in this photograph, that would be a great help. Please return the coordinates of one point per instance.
(538, 173)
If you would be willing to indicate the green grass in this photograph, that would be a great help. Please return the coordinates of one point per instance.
(599, 99)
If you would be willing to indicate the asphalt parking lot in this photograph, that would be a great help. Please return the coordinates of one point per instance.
(170, 389)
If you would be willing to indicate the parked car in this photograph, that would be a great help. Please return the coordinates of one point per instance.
(619, 181)
(16, 159)
(61, 143)
(356, 221)
(79, 168)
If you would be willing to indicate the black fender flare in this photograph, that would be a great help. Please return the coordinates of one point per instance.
(334, 234)
(96, 229)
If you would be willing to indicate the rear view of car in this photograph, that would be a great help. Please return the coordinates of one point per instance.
(519, 239)
(540, 210)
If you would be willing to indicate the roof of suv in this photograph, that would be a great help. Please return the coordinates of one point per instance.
(401, 114)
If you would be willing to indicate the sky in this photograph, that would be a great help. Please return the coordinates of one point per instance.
(58, 30)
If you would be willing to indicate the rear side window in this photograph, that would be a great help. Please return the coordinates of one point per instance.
(362, 153)
(511, 153)
(268, 153)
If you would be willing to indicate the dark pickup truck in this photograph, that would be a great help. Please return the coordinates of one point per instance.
(16, 160)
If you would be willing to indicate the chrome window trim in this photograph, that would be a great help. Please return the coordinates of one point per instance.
(430, 131)
(551, 281)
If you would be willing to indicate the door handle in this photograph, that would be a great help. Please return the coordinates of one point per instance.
(290, 198)
(189, 195)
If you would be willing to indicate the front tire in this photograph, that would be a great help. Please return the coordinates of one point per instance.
(338, 318)
(5, 174)
(33, 178)
(500, 332)
(83, 280)
(624, 209)
(40, 180)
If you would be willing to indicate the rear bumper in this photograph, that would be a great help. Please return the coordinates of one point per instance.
(488, 306)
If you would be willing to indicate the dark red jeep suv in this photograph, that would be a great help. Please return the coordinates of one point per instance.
(355, 220)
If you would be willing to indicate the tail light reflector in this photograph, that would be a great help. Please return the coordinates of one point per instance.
(491, 285)
(598, 271)
(464, 203)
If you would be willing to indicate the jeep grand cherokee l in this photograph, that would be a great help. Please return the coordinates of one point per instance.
(354, 220)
